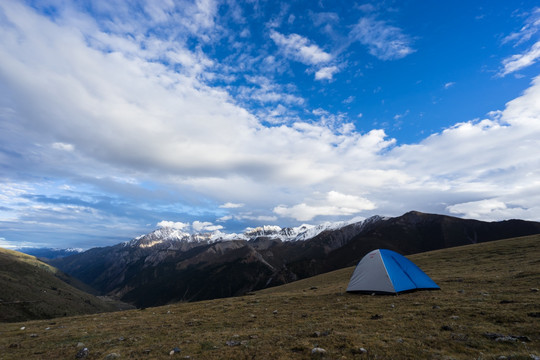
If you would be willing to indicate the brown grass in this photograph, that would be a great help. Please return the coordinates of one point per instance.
(485, 288)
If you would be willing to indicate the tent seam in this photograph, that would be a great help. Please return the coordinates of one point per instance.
(387, 274)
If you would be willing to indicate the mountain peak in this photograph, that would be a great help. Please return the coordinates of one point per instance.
(169, 236)
(164, 236)
(262, 230)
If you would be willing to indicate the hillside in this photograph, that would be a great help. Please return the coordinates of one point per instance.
(31, 289)
(488, 307)
(167, 266)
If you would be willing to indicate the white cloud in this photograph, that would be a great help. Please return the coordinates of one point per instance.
(15, 245)
(134, 114)
(300, 48)
(62, 146)
(334, 204)
(172, 224)
(448, 85)
(532, 54)
(200, 18)
(230, 205)
(527, 31)
(326, 73)
(200, 226)
(384, 41)
(478, 209)
(266, 91)
(399, 116)
(159, 11)
(349, 99)
(367, 8)
(196, 226)
(225, 218)
(520, 61)
(259, 218)
(123, 95)
(324, 18)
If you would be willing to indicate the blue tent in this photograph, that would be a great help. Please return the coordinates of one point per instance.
(387, 272)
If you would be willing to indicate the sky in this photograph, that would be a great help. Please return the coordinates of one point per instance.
(119, 117)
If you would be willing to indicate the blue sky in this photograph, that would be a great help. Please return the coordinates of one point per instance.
(118, 117)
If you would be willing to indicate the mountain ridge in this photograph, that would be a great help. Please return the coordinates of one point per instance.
(163, 266)
(48, 253)
(299, 233)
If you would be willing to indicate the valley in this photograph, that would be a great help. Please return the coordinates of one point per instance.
(31, 289)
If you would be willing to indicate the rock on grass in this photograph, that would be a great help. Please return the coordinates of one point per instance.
(317, 351)
(81, 354)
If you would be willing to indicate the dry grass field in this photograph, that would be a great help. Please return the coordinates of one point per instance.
(488, 308)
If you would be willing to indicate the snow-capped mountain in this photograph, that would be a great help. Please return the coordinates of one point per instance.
(169, 237)
(302, 232)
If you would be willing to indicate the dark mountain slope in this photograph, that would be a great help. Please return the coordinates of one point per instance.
(108, 268)
(159, 275)
(237, 270)
(411, 233)
(31, 289)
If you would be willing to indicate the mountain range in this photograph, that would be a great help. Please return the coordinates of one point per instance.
(48, 253)
(168, 265)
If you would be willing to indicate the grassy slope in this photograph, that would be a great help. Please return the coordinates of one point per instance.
(484, 288)
(31, 289)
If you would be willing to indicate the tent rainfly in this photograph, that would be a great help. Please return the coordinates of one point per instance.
(387, 272)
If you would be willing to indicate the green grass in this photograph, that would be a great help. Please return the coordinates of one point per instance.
(485, 288)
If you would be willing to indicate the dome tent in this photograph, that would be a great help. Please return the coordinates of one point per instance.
(387, 272)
